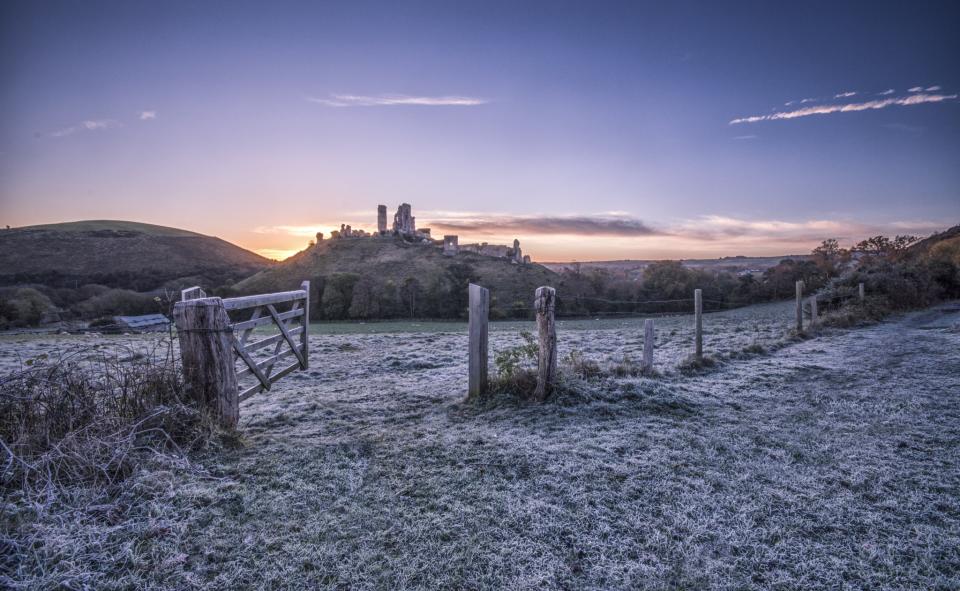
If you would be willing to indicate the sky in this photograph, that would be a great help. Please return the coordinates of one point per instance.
(588, 130)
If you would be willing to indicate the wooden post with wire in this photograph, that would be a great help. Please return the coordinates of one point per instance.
(545, 302)
(860, 292)
(206, 350)
(813, 309)
(698, 320)
(478, 349)
(648, 345)
(799, 288)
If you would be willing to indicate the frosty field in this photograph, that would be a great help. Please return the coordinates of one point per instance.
(825, 463)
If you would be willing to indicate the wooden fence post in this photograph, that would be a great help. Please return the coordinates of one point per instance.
(813, 309)
(799, 287)
(648, 344)
(698, 317)
(545, 301)
(304, 340)
(860, 292)
(206, 350)
(479, 315)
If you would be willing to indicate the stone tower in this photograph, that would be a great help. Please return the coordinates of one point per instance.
(382, 219)
(403, 221)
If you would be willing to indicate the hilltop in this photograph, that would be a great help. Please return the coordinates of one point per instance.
(120, 254)
(390, 277)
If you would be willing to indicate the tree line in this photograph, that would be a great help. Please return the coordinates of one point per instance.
(664, 287)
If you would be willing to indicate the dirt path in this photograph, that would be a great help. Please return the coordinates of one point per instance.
(832, 463)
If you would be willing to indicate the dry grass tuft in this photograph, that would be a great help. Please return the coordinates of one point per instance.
(692, 365)
(81, 439)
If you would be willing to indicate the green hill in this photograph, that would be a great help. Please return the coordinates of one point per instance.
(121, 254)
(388, 277)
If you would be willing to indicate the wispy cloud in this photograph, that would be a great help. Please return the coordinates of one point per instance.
(576, 234)
(594, 225)
(89, 125)
(845, 95)
(351, 100)
(478, 224)
(745, 137)
(716, 228)
(886, 92)
(932, 88)
(915, 89)
(147, 115)
(913, 99)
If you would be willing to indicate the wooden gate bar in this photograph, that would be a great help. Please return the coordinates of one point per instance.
(292, 340)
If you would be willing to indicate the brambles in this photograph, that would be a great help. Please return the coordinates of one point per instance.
(71, 421)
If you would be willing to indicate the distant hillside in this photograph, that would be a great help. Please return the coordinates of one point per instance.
(387, 277)
(121, 254)
(949, 238)
(633, 268)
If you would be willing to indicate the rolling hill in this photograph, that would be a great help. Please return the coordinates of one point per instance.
(121, 254)
(384, 270)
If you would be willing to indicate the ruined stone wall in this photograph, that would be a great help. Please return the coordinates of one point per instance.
(403, 221)
(450, 246)
(382, 219)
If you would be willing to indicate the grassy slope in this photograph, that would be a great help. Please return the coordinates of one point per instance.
(392, 259)
(832, 464)
(100, 225)
(133, 254)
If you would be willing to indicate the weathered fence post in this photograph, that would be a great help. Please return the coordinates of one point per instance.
(799, 306)
(860, 292)
(813, 309)
(479, 315)
(206, 350)
(698, 316)
(545, 301)
(304, 341)
(648, 344)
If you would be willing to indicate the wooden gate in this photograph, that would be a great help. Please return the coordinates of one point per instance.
(218, 352)
(257, 358)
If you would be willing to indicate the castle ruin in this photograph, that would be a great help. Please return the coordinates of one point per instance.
(405, 227)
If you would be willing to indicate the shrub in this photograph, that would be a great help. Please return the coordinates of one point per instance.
(120, 301)
(24, 306)
(65, 423)
(510, 361)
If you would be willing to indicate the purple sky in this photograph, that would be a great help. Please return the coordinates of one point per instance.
(588, 130)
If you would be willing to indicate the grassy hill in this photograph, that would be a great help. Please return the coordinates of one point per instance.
(387, 277)
(120, 254)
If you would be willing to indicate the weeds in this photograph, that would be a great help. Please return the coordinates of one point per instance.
(692, 364)
(627, 367)
(514, 359)
(65, 422)
(580, 366)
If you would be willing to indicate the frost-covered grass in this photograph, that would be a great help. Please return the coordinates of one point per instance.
(827, 463)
